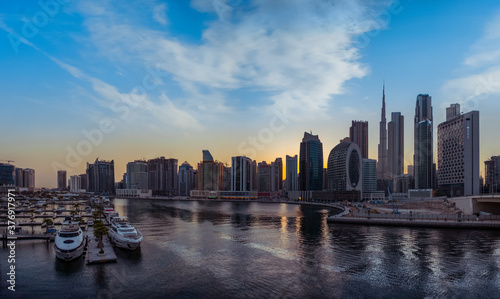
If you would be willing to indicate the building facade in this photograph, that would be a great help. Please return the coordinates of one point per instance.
(358, 133)
(243, 174)
(28, 178)
(101, 177)
(163, 176)
(369, 175)
(345, 171)
(137, 175)
(7, 174)
(423, 142)
(311, 163)
(492, 175)
(395, 145)
(458, 154)
(291, 173)
(61, 180)
(186, 179)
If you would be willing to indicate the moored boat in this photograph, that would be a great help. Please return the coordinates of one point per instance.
(69, 241)
(123, 234)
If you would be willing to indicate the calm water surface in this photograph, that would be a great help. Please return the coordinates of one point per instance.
(262, 250)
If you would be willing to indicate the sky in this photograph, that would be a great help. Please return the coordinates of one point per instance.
(127, 80)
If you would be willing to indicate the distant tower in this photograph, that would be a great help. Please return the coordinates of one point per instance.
(358, 133)
(395, 145)
(382, 146)
(423, 140)
(311, 163)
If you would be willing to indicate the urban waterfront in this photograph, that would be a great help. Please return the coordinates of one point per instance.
(196, 249)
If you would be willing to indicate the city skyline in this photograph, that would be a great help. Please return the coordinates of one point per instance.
(77, 64)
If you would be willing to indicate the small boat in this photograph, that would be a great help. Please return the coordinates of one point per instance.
(69, 241)
(123, 234)
(90, 223)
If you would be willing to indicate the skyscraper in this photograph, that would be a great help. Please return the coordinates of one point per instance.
(311, 163)
(382, 146)
(423, 139)
(358, 133)
(277, 181)
(291, 173)
(458, 154)
(395, 148)
(61, 179)
(369, 175)
(136, 176)
(101, 177)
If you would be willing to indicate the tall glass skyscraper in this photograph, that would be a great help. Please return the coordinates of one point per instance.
(423, 139)
(311, 163)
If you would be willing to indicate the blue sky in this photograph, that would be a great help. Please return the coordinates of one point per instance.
(170, 78)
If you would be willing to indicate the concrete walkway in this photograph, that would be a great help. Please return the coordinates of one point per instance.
(93, 256)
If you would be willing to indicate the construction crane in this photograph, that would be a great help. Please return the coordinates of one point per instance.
(391, 199)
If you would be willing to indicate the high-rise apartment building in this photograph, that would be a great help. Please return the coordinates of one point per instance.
(210, 174)
(492, 172)
(101, 177)
(423, 140)
(28, 178)
(136, 176)
(6, 174)
(264, 174)
(311, 163)
(458, 153)
(243, 174)
(291, 173)
(186, 179)
(163, 176)
(61, 179)
(358, 133)
(395, 145)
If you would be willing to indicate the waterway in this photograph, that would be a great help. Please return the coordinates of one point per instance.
(264, 250)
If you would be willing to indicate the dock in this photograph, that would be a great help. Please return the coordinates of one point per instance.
(407, 222)
(92, 256)
(47, 237)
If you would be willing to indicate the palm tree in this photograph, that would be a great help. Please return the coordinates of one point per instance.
(73, 213)
(45, 205)
(47, 222)
(77, 206)
(100, 230)
(96, 215)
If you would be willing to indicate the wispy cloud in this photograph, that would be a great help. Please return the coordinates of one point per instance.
(299, 52)
(160, 14)
(482, 77)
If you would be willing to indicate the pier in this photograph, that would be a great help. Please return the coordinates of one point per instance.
(5, 237)
(92, 256)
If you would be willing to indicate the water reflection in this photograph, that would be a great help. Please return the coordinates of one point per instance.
(249, 249)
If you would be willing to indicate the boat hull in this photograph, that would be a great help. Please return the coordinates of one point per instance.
(69, 255)
(121, 242)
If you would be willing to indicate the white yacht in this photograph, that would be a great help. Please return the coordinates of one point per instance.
(123, 234)
(69, 241)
